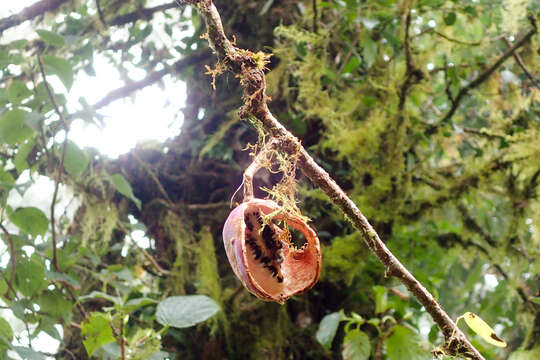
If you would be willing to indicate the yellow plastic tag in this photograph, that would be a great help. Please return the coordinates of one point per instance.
(480, 327)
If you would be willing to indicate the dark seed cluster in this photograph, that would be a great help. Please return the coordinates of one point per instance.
(264, 243)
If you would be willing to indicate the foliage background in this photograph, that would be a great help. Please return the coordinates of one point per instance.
(404, 103)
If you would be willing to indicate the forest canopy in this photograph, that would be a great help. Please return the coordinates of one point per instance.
(419, 116)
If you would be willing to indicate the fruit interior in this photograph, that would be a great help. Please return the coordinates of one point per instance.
(276, 266)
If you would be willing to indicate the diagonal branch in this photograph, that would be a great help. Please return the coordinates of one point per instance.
(30, 12)
(150, 79)
(45, 6)
(248, 67)
(457, 41)
(483, 76)
(522, 64)
(144, 13)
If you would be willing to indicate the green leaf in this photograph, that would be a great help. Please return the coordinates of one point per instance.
(51, 38)
(134, 304)
(18, 44)
(6, 182)
(55, 276)
(185, 311)
(450, 19)
(98, 294)
(5, 329)
(33, 120)
(54, 304)
(3, 286)
(30, 276)
(28, 354)
(17, 92)
(404, 343)
(110, 351)
(433, 333)
(20, 159)
(97, 332)
(59, 67)
(31, 220)
(47, 324)
(120, 183)
(381, 299)
(370, 51)
(3, 97)
(13, 130)
(351, 66)
(328, 328)
(76, 160)
(356, 346)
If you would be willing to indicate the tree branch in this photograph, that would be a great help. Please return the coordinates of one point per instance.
(145, 13)
(480, 79)
(461, 42)
(12, 259)
(60, 169)
(248, 67)
(30, 13)
(412, 73)
(150, 79)
(464, 184)
(522, 64)
(44, 6)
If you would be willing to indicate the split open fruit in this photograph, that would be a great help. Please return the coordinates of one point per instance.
(263, 254)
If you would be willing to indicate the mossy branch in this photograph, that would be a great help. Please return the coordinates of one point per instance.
(483, 76)
(252, 78)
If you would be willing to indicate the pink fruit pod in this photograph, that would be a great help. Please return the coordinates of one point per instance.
(262, 254)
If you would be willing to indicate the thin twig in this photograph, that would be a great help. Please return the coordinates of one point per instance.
(73, 297)
(446, 37)
(29, 335)
(254, 85)
(143, 251)
(448, 83)
(154, 177)
(444, 240)
(10, 286)
(100, 14)
(412, 74)
(470, 223)
(483, 132)
(480, 79)
(315, 17)
(12, 257)
(122, 338)
(210, 206)
(150, 79)
(522, 64)
(60, 169)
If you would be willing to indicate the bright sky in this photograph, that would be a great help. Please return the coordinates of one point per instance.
(151, 114)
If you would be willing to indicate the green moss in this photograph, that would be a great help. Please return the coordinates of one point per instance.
(343, 259)
(177, 230)
(208, 281)
(98, 223)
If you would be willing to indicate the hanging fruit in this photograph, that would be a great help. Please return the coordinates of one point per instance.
(265, 256)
